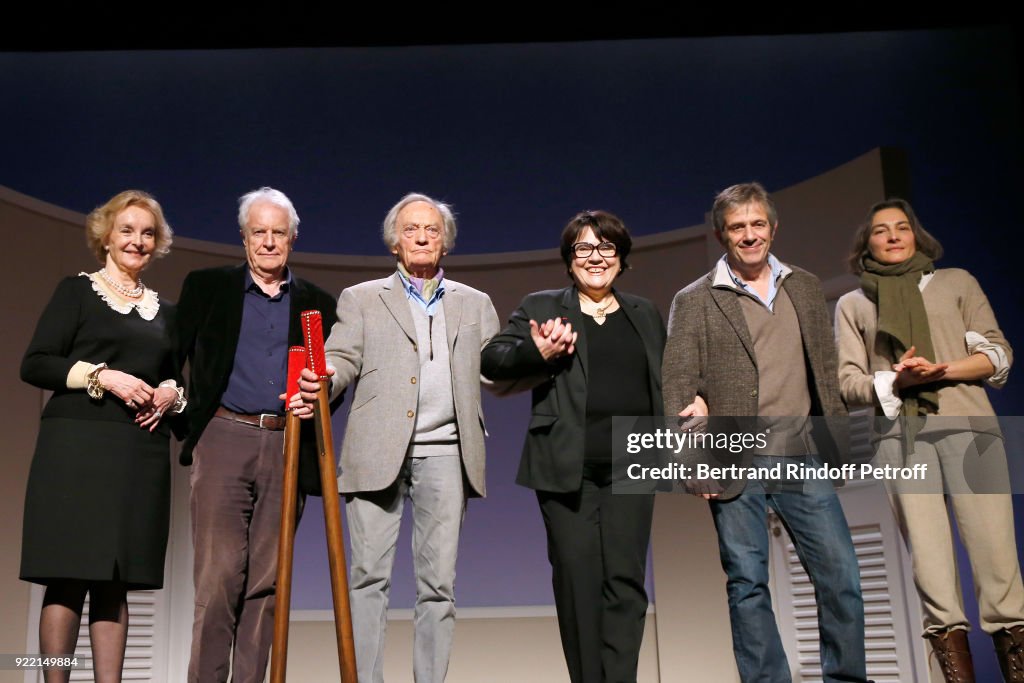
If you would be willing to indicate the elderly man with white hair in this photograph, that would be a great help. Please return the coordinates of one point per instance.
(409, 344)
(234, 327)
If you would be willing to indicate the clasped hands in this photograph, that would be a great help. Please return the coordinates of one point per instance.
(912, 370)
(553, 338)
(151, 404)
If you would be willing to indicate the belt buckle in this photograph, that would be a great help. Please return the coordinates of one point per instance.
(263, 415)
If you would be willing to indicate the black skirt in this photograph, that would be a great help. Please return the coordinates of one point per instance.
(98, 504)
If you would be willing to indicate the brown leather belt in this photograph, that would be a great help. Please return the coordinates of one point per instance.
(274, 423)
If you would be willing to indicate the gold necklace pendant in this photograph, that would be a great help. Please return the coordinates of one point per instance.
(600, 313)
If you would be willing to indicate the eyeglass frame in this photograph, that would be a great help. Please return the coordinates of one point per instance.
(589, 251)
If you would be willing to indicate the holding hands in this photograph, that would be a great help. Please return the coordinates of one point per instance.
(708, 489)
(697, 411)
(554, 338)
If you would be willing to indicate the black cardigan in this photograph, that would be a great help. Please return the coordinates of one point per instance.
(209, 321)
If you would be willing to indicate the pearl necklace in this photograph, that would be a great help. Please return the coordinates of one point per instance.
(121, 289)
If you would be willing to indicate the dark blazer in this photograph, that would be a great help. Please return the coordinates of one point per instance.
(710, 352)
(209, 322)
(553, 453)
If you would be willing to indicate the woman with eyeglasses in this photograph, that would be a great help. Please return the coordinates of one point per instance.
(590, 352)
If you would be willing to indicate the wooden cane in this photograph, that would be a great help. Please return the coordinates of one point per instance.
(312, 327)
(289, 509)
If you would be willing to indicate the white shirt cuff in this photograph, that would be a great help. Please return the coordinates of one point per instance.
(885, 390)
(976, 343)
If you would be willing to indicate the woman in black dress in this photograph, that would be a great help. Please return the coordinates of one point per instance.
(591, 352)
(98, 500)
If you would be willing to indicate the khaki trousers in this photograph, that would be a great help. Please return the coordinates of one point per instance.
(985, 522)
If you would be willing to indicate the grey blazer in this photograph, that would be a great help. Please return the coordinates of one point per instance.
(373, 347)
(710, 352)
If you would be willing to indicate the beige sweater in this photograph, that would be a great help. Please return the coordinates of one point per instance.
(955, 305)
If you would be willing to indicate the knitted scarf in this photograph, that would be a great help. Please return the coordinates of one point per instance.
(901, 317)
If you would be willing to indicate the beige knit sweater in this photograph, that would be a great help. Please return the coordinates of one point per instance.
(955, 305)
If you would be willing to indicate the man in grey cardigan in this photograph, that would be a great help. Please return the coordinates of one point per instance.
(753, 338)
(410, 346)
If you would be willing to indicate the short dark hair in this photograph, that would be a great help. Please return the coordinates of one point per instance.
(606, 226)
(923, 240)
(741, 195)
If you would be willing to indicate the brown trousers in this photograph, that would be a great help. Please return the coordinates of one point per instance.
(236, 514)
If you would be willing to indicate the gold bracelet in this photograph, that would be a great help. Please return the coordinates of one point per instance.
(92, 385)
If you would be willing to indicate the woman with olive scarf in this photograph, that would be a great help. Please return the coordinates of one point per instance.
(919, 344)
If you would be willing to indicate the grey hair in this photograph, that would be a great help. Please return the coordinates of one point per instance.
(270, 196)
(741, 195)
(389, 229)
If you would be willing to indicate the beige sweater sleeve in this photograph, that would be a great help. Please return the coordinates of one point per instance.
(856, 378)
(979, 317)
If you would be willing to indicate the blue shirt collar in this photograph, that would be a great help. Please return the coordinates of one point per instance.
(726, 277)
(414, 294)
(773, 263)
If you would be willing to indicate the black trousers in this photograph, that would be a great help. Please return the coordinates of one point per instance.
(597, 546)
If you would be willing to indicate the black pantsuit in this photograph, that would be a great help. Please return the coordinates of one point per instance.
(597, 539)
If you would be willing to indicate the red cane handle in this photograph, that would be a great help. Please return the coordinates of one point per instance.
(313, 330)
(296, 361)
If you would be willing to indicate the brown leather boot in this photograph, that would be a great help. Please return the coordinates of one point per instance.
(1009, 644)
(954, 655)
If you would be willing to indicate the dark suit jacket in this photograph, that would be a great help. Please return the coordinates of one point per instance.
(553, 453)
(710, 352)
(209, 322)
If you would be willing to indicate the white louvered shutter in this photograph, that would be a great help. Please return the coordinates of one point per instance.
(894, 650)
(139, 653)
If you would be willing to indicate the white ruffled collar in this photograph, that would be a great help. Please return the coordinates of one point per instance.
(148, 304)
